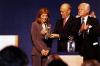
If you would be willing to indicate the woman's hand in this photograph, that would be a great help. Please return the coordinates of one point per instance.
(43, 32)
(45, 52)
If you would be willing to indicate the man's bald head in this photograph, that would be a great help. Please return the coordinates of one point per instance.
(65, 10)
(65, 6)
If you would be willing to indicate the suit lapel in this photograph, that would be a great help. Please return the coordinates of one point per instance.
(88, 20)
(67, 23)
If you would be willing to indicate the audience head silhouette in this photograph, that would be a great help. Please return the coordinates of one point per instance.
(91, 63)
(13, 56)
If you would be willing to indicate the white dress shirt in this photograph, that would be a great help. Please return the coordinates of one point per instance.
(85, 19)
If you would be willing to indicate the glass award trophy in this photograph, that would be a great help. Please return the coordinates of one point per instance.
(71, 45)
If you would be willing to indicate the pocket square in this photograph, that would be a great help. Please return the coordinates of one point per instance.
(95, 43)
(90, 26)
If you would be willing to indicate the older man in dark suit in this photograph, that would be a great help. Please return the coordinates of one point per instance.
(88, 32)
(65, 27)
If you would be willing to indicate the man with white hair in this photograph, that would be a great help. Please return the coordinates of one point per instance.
(88, 33)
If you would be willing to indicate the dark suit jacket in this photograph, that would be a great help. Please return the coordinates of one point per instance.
(88, 46)
(64, 32)
(97, 30)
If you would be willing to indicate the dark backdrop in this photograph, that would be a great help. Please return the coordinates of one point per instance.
(16, 17)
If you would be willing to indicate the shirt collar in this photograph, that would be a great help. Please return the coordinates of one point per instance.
(67, 18)
(85, 19)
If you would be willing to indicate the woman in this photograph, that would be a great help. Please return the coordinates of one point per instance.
(40, 39)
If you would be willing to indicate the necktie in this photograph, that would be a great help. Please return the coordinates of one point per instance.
(83, 31)
(82, 21)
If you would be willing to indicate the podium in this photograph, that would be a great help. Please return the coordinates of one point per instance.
(8, 40)
(72, 59)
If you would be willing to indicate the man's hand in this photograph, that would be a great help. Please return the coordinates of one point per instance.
(84, 27)
(54, 36)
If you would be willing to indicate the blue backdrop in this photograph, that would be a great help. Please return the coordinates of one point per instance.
(16, 17)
